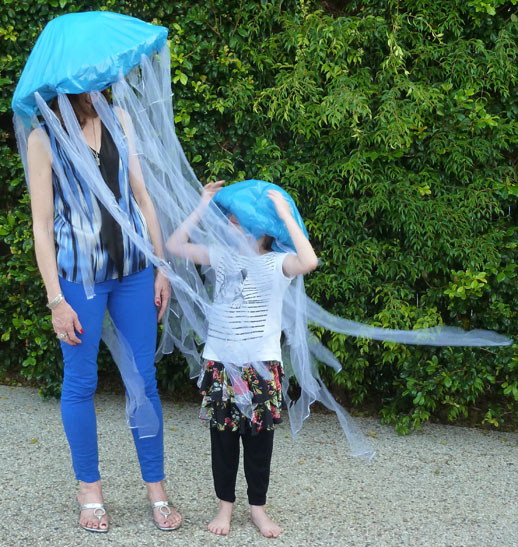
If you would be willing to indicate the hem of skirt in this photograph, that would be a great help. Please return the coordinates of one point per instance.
(243, 427)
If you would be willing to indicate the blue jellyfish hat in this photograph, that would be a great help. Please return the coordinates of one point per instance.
(95, 49)
(248, 202)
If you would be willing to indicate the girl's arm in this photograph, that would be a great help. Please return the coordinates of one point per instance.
(178, 244)
(305, 260)
(64, 318)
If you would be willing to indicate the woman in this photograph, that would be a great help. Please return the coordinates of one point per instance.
(123, 283)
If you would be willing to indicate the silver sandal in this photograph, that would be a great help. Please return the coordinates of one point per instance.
(99, 512)
(163, 507)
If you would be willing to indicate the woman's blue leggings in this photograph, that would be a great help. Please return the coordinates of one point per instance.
(131, 306)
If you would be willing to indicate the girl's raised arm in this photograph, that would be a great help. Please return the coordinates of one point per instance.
(179, 244)
(305, 260)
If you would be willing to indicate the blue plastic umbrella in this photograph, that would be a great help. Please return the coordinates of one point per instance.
(84, 52)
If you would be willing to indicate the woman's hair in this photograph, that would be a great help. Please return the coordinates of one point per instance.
(83, 109)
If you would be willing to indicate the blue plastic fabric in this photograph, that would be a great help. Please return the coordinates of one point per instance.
(248, 202)
(84, 52)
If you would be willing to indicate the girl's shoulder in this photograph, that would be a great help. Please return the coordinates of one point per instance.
(279, 258)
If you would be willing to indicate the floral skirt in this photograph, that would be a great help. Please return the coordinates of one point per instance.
(219, 404)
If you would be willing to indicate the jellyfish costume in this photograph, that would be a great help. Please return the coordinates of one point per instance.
(133, 60)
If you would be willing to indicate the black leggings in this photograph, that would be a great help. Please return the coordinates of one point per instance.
(257, 453)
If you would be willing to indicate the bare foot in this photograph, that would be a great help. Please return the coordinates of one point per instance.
(220, 524)
(166, 516)
(91, 492)
(263, 522)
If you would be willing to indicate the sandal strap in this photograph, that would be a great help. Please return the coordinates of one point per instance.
(163, 507)
(99, 510)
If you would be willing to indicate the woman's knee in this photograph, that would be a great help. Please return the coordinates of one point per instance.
(150, 385)
(146, 368)
(78, 387)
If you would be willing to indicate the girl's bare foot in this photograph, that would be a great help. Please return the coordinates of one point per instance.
(263, 522)
(91, 492)
(156, 492)
(220, 524)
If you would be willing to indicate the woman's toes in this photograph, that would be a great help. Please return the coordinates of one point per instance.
(174, 518)
(170, 521)
(90, 523)
(89, 520)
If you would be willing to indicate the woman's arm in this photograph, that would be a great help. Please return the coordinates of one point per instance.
(305, 260)
(138, 187)
(178, 244)
(64, 318)
(148, 209)
(143, 199)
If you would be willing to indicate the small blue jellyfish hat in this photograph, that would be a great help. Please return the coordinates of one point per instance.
(248, 202)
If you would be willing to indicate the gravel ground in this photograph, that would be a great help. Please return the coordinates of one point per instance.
(444, 486)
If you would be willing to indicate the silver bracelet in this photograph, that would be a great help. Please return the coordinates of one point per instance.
(53, 303)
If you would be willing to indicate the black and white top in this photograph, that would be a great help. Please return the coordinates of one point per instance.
(245, 318)
(111, 253)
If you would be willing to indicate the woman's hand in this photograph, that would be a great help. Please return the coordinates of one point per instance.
(66, 324)
(281, 205)
(162, 293)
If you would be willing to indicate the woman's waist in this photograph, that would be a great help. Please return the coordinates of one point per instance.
(79, 268)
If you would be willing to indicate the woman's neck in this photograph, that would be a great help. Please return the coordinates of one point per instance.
(92, 132)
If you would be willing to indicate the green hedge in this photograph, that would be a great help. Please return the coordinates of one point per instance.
(394, 126)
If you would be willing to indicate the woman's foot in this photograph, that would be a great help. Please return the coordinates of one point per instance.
(220, 524)
(91, 492)
(263, 522)
(165, 516)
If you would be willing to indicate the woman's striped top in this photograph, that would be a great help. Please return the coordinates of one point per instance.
(69, 227)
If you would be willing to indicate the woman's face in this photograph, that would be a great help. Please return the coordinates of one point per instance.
(84, 101)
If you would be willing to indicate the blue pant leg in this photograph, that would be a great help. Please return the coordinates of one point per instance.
(132, 308)
(80, 380)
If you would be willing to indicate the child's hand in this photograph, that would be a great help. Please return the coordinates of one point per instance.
(281, 205)
(210, 190)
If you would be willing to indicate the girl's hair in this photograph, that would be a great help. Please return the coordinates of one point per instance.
(82, 109)
(267, 242)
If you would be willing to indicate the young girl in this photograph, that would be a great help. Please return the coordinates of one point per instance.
(245, 319)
